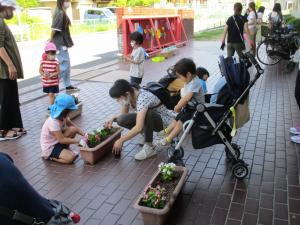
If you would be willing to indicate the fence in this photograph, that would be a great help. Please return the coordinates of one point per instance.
(40, 31)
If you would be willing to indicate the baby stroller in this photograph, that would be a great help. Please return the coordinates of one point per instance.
(209, 125)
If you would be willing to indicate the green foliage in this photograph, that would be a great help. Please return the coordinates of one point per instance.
(288, 18)
(155, 197)
(24, 19)
(258, 3)
(209, 35)
(28, 3)
(95, 137)
(167, 171)
(132, 3)
(296, 23)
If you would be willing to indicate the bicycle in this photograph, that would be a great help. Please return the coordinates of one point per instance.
(277, 46)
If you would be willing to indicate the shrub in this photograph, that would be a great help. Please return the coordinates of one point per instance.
(296, 23)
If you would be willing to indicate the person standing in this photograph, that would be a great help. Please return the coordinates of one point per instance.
(275, 18)
(11, 125)
(61, 37)
(252, 21)
(234, 28)
(260, 15)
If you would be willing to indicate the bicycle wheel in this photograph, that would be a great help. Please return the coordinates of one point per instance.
(264, 54)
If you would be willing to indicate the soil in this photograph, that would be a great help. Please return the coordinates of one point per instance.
(169, 186)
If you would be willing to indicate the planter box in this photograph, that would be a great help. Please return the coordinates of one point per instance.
(152, 216)
(75, 113)
(92, 155)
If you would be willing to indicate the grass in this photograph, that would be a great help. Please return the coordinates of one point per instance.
(209, 35)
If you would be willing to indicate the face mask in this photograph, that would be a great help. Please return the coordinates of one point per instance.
(66, 5)
(132, 43)
(51, 57)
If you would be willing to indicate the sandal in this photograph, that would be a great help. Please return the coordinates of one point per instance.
(11, 135)
(20, 131)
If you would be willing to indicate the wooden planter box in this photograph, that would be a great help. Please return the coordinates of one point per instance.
(92, 155)
(152, 216)
(75, 113)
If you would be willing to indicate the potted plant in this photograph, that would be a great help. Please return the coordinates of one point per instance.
(99, 143)
(160, 194)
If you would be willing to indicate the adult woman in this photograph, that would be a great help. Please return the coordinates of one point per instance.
(252, 21)
(151, 115)
(234, 28)
(61, 37)
(260, 15)
(11, 126)
(275, 18)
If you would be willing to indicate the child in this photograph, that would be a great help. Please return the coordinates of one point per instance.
(203, 74)
(191, 95)
(136, 58)
(49, 70)
(59, 132)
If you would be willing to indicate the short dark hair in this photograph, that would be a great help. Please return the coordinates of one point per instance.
(137, 37)
(201, 71)
(237, 7)
(119, 88)
(261, 9)
(185, 65)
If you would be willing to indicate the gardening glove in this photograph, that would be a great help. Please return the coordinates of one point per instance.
(222, 46)
(82, 143)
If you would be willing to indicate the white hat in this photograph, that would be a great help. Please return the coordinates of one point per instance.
(9, 3)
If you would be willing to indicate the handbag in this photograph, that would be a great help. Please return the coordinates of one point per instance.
(241, 36)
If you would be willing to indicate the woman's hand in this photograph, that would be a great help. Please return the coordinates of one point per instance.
(117, 147)
(12, 72)
(177, 109)
(108, 124)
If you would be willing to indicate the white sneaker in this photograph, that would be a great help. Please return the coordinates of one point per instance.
(163, 143)
(295, 130)
(296, 139)
(147, 151)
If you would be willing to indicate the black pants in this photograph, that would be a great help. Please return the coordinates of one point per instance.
(153, 122)
(297, 89)
(18, 194)
(10, 115)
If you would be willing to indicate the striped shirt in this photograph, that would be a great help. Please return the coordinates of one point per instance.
(50, 67)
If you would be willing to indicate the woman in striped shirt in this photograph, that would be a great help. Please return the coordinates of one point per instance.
(49, 70)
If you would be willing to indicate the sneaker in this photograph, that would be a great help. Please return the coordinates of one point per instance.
(72, 88)
(295, 130)
(147, 151)
(296, 139)
(164, 143)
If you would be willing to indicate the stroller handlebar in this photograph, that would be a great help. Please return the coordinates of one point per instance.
(250, 56)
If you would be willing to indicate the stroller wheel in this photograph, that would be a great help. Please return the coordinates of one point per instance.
(240, 170)
(236, 149)
(172, 152)
(176, 161)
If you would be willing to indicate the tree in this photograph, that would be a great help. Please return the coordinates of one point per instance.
(28, 3)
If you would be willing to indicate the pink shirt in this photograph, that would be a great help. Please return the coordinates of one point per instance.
(48, 139)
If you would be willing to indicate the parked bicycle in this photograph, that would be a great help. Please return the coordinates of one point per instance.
(278, 46)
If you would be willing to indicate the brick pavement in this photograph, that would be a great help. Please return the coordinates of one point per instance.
(104, 193)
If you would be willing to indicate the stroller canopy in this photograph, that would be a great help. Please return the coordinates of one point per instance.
(236, 75)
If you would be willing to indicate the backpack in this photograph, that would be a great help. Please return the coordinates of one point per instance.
(160, 91)
(168, 79)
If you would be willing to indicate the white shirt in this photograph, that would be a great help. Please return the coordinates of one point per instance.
(251, 19)
(147, 100)
(137, 55)
(193, 86)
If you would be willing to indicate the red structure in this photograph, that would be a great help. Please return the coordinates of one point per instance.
(159, 32)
